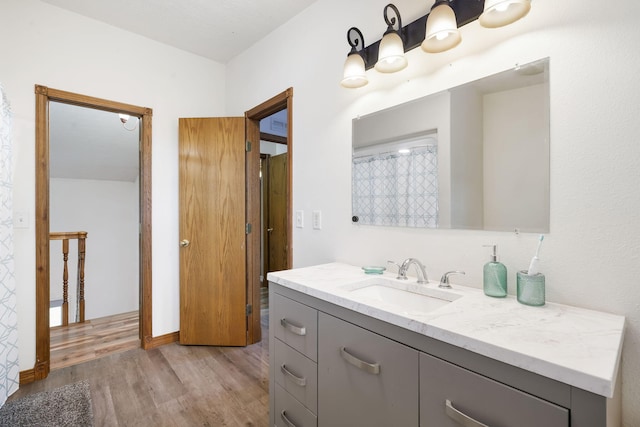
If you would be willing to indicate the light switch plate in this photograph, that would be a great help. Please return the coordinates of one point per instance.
(300, 219)
(316, 220)
(21, 220)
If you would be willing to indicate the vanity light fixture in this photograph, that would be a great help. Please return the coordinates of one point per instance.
(498, 13)
(391, 52)
(354, 73)
(436, 31)
(442, 29)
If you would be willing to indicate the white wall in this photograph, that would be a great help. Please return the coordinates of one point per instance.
(467, 163)
(45, 45)
(516, 157)
(591, 257)
(108, 211)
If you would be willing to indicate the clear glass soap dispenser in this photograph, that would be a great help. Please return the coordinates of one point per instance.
(494, 276)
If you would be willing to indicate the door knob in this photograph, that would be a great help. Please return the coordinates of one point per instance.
(184, 243)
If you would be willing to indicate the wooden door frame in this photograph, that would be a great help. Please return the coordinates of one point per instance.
(277, 103)
(44, 95)
(264, 167)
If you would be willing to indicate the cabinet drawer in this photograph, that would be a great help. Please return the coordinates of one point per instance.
(290, 412)
(479, 398)
(297, 374)
(364, 379)
(296, 325)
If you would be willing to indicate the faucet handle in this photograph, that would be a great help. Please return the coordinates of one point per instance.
(395, 264)
(444, 280)
(402, 269)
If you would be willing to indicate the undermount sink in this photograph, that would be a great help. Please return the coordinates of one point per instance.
(407, 297)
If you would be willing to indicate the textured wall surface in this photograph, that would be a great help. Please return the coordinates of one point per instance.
(591, 257)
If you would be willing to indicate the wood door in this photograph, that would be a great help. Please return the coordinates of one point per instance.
(277, 241)
(213, 291)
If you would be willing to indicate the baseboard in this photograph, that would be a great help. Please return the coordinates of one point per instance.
(153, 342)
(27, 377)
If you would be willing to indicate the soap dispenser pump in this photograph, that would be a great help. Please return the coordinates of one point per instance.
(494, 276)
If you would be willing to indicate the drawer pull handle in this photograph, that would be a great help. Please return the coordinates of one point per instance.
(287, 421)
(298, 330)
(460, 417)
(296, 379)
(372, 368)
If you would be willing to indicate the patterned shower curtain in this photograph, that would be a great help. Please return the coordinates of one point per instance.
(9, 368)
(396, 189)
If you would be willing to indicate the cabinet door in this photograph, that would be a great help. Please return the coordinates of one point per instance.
(364, 379)
(451, 396)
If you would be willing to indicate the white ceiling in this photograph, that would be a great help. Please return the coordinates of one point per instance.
(93, 144)
(216, 29)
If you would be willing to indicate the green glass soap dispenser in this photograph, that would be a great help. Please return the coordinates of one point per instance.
(494, 276)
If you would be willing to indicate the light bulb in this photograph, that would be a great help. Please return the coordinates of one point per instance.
(498, 13)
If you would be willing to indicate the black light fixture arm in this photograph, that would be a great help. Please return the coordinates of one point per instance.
(357, 40)
(392, 22)
(413, 34)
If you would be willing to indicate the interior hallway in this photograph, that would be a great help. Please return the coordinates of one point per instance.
(82, 342)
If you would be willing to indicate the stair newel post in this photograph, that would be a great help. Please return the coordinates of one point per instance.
(81, 257)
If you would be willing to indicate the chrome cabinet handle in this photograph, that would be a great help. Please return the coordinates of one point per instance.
(460, 417)
(283, 415)
(298, 330)
(301, 381)
(372, 368)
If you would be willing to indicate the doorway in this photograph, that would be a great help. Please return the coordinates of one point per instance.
(273, 178)
(224, 152)
(281, 102)
(44, 97)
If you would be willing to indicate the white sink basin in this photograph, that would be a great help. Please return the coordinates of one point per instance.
(405, 297)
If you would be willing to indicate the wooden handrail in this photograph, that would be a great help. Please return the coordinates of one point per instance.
(65, 236)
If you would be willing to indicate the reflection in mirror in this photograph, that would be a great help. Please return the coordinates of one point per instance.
(472, 157)
(274, 191)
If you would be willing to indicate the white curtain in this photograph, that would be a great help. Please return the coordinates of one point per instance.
(9, 367)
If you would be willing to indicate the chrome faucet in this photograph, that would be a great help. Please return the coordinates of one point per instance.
(422, 273)
(444, 280)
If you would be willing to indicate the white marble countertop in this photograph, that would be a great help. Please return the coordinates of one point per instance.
(575, 346)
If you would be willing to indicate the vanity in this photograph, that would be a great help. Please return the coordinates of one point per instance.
(348, 349)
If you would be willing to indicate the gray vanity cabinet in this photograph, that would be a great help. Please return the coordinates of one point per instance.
(333, 367)
(451, 396)
(364, 379)
(293, 355)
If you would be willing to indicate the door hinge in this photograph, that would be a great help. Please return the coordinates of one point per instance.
(248, 146)
(247, 228)
(249, 309)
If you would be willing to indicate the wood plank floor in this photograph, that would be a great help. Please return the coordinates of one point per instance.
(81, 342)
(174, 385)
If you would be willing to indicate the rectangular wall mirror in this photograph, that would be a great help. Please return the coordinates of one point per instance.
(474, 157)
